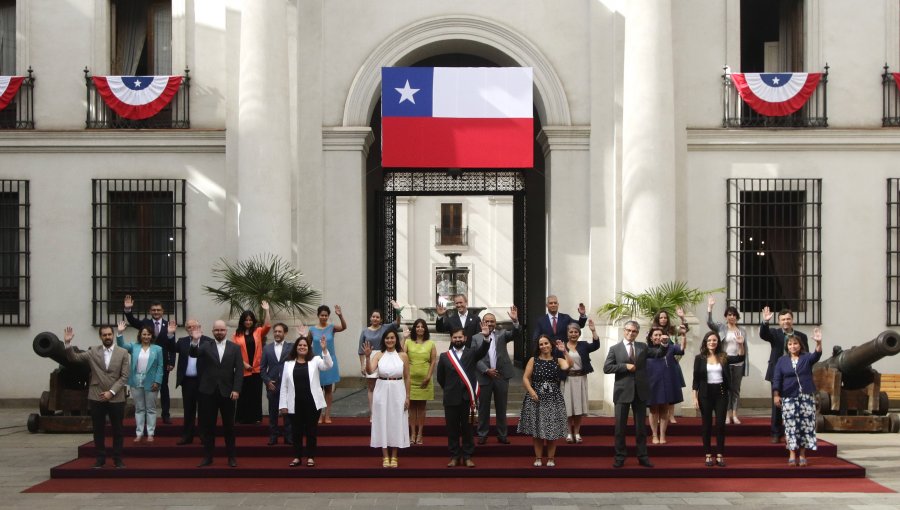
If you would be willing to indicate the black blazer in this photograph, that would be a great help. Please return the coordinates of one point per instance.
(562, 323)
(450, 321)
(700, 375)
(225, 376)
(775, 337)
(183, 348)
(584, 349)
(163, 339)
(455, 391)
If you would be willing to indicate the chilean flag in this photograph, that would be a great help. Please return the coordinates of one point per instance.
(9, 86)
(137, 97)
(896, 82)
(457, 117)
(776, 94)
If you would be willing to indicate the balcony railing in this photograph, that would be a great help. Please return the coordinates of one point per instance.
(19, 114)
(738, 114)
(451, 236)
(176, 114)
(890, 100)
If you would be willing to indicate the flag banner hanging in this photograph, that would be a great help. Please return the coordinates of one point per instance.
(9, 87)
(896, 79)
(137, 97)
(457, 117)
(776, 94)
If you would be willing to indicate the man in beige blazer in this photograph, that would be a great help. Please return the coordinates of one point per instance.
(110, 365)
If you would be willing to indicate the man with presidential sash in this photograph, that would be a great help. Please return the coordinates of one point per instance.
(456, 375)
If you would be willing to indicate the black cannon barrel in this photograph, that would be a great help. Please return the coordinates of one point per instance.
(855, 364)
(48, 345)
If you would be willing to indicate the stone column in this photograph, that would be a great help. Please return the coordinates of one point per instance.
(264, 151)
(648, 147)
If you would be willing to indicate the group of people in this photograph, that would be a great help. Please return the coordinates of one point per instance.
(224, 378)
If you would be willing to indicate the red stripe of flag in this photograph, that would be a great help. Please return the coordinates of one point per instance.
(14, 83)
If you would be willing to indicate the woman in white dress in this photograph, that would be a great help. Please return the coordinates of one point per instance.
(390, 400)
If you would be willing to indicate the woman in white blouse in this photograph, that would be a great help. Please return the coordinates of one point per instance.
(301, 395)
(712, 380)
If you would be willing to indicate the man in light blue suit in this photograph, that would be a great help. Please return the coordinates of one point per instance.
(273, 358)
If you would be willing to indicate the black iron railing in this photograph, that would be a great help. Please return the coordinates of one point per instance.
(451, 236)
(19, 113)
(890, 100)
(738, 114)
(176, 115)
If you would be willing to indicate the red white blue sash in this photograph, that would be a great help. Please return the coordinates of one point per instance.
(473, 392)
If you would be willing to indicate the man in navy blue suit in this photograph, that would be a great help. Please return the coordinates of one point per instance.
(462, 318)
(187, 376)
(554, 324)
(273, 357)
(163, 338)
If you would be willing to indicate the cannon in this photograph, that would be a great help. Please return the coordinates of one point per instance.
(849, 395)
(64, 408)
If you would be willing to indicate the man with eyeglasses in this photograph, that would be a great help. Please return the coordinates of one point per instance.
(628, 361)
(777, 338)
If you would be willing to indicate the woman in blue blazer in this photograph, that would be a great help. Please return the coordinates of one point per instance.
(793, 390)
(144, 379)
(574, 382)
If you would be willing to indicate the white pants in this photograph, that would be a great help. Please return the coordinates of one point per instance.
(144, 407)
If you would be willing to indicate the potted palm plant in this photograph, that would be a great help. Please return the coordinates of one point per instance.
(668, 296)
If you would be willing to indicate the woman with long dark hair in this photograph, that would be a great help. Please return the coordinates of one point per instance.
(390, 401)
(372, 335)
(327, 330)
(249, 336)
(712, 380)
(665, 388)
(543, 414)
(422, 362)
(301, 395)
(662, 320)
(732, 338)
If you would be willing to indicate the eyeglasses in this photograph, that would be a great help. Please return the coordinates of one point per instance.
(631, 330)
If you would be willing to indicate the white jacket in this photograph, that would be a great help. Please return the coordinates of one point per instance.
(316, 365)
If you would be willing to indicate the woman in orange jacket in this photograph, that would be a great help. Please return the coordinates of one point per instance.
(250, 337)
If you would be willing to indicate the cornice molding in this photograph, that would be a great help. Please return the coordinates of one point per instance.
(113, 141)
(875, 139)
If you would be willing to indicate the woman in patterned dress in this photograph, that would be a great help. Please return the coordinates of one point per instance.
(330, 377)
(422, 361)
(544, 409)
(794, 392)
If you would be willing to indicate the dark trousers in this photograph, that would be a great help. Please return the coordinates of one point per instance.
(99, 412)
(498, 388)
(459, 431)
(639, 408)
(777, 423)
(210, 407)
(164, 395)
(189, 394)
(716, 400)
(274, 429)
(305, 423)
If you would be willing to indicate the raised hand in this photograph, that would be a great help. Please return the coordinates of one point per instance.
(367, 348)
(485, 331)
(710, 303)
(337, 310)
(581, 309)
(560, 346)
(264, 305)
(767, 314)
(513, 313)
(405, 330)
(440, 310)
(323, 343)
(679, 311)
(129, 303)
(122, 326)
(302, 329)
(173, 326)
(591, 326)
(68, 334)
(817, 335)
(395, 305)
(739, 337)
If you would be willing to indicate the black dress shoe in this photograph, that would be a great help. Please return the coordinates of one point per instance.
(99, 463)
(482, 439)
(288, 440)
(167, 420)
(119, 464)
(503, 440)
(618, 463)
(272, 441)
(205, 462)
(232, 462)
(645, 462)
(184, 440)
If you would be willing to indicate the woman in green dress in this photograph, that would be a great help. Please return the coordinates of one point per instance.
(422, 360)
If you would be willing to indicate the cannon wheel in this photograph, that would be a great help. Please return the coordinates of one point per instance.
(884, 404)
(824, 401)
(894, 422)
(44, 404)
(820, 423)
(32, 423)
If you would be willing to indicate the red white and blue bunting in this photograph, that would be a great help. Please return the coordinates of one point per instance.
(137, 97)
(9, 86)
(896, 79)
(776, 94)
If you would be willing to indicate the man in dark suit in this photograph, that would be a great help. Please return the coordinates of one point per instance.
(493, 372)
(457, 377)
(273, 357)
(461, 318)
(187, 376)
(110, 367)
(628, 361)
(777, 338)
(161, 337)
(221, 370)
(554, 324)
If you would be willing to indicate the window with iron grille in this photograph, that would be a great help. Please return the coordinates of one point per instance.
(893, 252)
(451, 232)
(774, 247)
(138, 246)
(15, 270)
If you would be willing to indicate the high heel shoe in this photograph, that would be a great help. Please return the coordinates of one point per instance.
(709, 461)
(386, 462)
(393, 462)
(720, 461)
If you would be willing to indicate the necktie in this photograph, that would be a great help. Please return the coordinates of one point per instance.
(553, 323)
(630, 346)
(156, 329)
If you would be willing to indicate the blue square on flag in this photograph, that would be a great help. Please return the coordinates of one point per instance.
(406, 91)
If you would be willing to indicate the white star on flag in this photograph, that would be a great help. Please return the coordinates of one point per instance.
(775, 80)
(137, 83)
(407, 93)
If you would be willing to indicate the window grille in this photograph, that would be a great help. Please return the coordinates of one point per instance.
(774, 247)
(138, 246)
(15, 267)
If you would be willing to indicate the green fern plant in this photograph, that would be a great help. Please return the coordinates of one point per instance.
(668, 297)
(246, 283)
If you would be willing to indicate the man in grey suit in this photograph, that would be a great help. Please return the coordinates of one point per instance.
(221, 369)
(493, 372)
(273, 357)
(110, 367)
(628, 361)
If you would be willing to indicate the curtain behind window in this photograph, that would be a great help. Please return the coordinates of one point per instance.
(7, 37)
(131, 34)
(161, 18)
